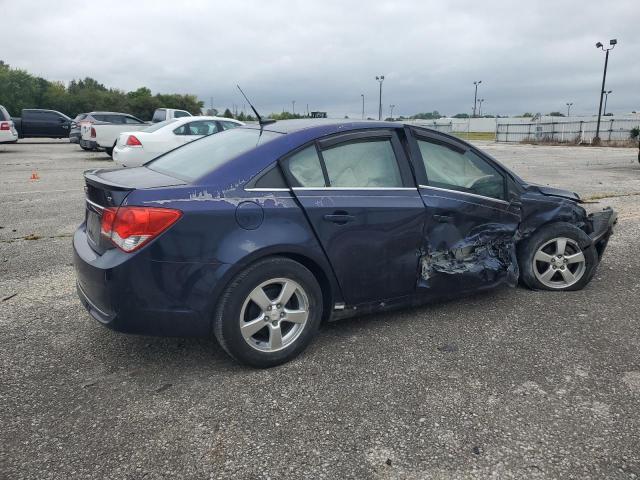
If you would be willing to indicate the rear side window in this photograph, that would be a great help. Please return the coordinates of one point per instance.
(306, 169)
(180, 113)
(362, 164)
(132, 120)
(209, 153)
(159, 116)
(452, 169)
(202, 127)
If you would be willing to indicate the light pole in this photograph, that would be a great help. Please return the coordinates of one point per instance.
(475, 96)
(599, 45)
(362, 95)
(480, 100)
(569, 108)
(293, 107)
(391, 107)
(606, 97)
(380, 79)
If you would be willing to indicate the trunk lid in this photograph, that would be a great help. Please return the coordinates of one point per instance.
(108, 189)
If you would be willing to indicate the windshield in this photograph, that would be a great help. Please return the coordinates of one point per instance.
(207, 154)
(158, 126)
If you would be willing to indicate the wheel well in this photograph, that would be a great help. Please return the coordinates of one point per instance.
(321, 277)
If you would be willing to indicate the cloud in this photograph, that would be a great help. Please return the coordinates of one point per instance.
(532, 56)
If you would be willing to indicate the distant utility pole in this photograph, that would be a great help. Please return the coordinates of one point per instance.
(391, 111)
(606, 97)
(480, 100)
(475, 96)
(293, 107)
(569, 108)
(612, 43)
(211, 102)
(380, 79)
(307, 109)
(362, 95)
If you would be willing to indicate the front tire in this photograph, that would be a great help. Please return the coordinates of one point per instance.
(269, 313)
(557, 257)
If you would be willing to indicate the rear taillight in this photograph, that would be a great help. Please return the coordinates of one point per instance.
(133, 141)
(129, 228)
(93, 132)
(5, 126)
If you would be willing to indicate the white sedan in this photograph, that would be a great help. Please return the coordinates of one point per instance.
(136, 148)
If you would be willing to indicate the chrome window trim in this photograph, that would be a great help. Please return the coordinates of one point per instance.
(475, 195)
(263, 189)
(356, 188)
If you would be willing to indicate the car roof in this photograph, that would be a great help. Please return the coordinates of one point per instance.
(290, 126)
(108, 113)
(179, 120)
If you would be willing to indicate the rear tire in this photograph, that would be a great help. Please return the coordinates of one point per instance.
(269, 313)
(557, 257)
(109, 150)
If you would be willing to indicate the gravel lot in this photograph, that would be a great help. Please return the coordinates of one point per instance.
(507, 384)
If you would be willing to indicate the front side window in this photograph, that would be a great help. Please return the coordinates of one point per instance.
(207, 154)
(159, 116)
(227, 125)
(362, 164)
(202, 127)
(305, 168)
(450, 168)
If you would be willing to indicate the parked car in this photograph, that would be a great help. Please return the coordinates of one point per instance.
(75, 133)
(8, 132)
(162, 114)
(257, 234)
(136, 148)
(36, 122)
(100, 130)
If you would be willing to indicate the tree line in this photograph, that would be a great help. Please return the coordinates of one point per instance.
(19, 89)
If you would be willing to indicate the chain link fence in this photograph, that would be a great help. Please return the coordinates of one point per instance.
(566, 132)
(433, 125)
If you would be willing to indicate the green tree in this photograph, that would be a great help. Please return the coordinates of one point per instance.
(461, 115)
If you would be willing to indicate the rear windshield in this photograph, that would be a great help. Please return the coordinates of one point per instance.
(158, 126)
(4, 115)
(209, 153)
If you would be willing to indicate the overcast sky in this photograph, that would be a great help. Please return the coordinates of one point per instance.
(531, 56)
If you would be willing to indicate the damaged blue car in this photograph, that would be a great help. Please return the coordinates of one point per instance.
(258, 234)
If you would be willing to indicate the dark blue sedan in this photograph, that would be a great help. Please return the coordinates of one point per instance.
(258, 234)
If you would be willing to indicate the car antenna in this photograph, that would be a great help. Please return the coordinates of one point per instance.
(262, 122)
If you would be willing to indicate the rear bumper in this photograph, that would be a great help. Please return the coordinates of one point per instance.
(602, 224)
(132, 293)
(88, 143)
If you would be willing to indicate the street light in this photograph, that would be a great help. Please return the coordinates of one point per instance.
(293, 107)
(599, 45)
(380, 79)
(606, 96)
(391, 107)
(569, 108)
(362, 95)
(475, 96)
(480, 100)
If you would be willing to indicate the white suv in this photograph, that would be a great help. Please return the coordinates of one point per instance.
(8, 132)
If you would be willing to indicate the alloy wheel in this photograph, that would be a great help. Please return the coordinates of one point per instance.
(274, 314)
(559, 263)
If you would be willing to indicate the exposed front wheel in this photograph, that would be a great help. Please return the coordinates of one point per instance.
(557, 257)
(269, 313)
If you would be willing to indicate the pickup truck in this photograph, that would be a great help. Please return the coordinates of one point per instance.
(100, 130)
(162, 114)
(36, 122)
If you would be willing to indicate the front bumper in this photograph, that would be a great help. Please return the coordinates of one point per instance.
(132, 293)
(602, 224)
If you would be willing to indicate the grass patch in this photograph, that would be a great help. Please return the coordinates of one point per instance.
(476, 135)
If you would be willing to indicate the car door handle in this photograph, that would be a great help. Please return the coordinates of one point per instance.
(339, 217)
(443, 218)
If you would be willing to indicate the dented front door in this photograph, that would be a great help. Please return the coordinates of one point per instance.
(471, 222)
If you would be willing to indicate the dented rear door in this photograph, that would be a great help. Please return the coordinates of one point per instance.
(471, 220)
